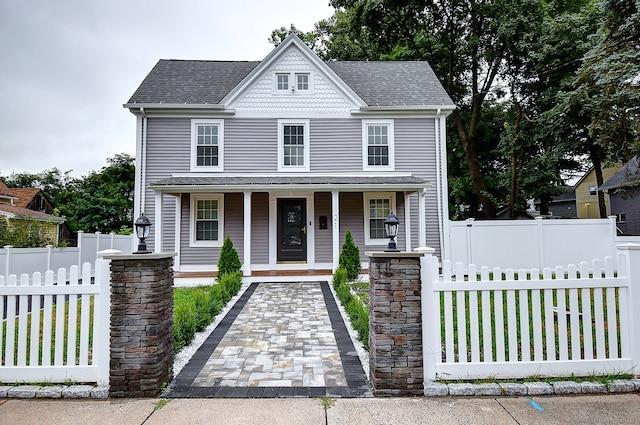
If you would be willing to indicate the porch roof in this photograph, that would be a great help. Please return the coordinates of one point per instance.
(343, 183)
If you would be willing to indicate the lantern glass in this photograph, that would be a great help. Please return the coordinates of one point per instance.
(143, 227)
(391, 224)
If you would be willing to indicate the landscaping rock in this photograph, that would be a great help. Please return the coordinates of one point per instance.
(513, 389)
(77, 391)
(593, 388)
(621, 386)
(538, 388)
(462, 389)
(566, 387)
(488, 389)
(4, 390)
(636, 383)
(100, 392)
(50, 392)
(436, 389)
(23, 391)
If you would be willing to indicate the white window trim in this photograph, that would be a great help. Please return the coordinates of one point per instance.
(192, 221)
(293, 83)
(194, 141)
(365, 146)
(392, 205)
(290, 168)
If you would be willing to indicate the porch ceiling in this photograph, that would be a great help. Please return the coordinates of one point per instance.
(343, 183)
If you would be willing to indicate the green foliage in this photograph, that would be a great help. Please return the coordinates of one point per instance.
(229, 262)
(357, 311)
(24, 233)
(101, 201)
(350, 257)
(194, 308)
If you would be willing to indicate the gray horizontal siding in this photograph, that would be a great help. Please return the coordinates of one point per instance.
(323, 237)
(336, 146)
(260, 228)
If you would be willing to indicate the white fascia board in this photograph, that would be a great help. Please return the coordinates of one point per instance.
(289, 188)
(434, 110)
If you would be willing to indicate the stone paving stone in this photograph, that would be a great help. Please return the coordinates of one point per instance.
(282, 337)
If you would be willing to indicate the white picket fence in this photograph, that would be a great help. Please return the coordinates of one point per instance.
(496, 323)
(56, 329)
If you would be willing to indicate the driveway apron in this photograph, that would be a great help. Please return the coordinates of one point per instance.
(278, 340)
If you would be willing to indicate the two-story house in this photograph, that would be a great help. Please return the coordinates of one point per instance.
(285, 154)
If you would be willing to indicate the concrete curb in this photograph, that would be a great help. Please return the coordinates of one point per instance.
(618, 386)
(54, 391)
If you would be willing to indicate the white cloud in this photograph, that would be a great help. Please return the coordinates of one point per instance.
(68, 66)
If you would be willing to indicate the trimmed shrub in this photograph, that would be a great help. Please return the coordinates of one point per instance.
(350, 257)
(357, 311)
(229, 262)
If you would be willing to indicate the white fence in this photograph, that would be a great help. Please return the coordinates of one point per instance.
(495, 323)
(531, 243)
(29, 260)
(56, 332)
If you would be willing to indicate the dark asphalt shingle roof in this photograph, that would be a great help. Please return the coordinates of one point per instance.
(197, 82)
(628, 175)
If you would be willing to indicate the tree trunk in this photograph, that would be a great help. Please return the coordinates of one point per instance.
(471, 157)
(602, 207)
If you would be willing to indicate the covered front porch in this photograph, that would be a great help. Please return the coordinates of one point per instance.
(281, 226)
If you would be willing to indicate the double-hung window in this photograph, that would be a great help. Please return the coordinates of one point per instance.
(293, 82)
(293, 145)
(207, 145)
(377, 145)
(206, 220)
(377, 206)
(282, 82)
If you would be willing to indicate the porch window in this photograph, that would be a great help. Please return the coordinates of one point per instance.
(293, 145)
(206, 220)
(207, 145)
(378, 145)
(377, 207)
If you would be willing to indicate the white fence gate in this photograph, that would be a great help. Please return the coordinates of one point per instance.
(482, 324)
(56, 329)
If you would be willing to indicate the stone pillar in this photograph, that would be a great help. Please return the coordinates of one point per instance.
(141, 324)
(395, 324)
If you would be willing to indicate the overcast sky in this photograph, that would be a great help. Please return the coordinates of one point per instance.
(68, 66)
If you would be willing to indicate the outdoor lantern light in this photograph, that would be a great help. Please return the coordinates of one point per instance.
(391, 226)
(142, 226)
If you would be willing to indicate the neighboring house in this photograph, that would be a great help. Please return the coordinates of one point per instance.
(623, 189)
(563, 205)
(20, 205)
(286, 154)
(587, 193)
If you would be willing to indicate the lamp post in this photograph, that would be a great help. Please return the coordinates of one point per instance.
(391, 226)
(142, 226)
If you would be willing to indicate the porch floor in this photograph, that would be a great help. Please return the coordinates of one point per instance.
(278, 340)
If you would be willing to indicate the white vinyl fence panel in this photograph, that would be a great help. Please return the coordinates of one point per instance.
(56, 332)
(531, 243)
(505, 323)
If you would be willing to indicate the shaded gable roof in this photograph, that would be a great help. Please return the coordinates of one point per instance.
(191, 81)
(393, 83)
(25, 196)
(628, 175)
(197, 82)
(5, 192)
(13, 211)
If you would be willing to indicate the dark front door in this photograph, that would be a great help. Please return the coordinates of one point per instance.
(292, 230)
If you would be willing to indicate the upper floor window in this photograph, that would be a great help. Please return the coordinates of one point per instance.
(378, 145)
(293, 82)
(207, 145)
(302, 82)
(282, 81)
(377, 207)
(593, 190)
(293, 145)
(206, 220)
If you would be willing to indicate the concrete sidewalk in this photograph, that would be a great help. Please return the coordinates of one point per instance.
(602, 409)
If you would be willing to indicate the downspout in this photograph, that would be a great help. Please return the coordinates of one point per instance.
(141, 151)
(439, 181)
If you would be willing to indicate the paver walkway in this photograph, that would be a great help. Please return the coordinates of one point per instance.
(278, 340)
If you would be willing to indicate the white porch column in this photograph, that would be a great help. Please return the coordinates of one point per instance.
(246, 264)
(422, 218)
(335, 228)
(178, 233)
(157, 239)
(407, 222)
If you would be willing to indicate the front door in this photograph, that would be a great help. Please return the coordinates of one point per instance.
(292, 230)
